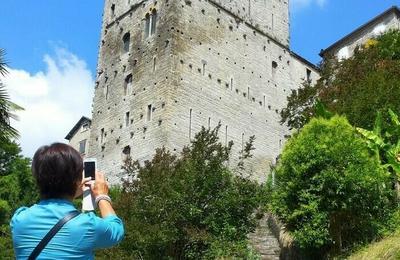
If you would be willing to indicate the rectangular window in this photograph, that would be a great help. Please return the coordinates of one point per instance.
(112, 10)
(231, 83)
(154, 64)
(209, 122)
(149, 113)
(147, 26)
(308, 75)
(264, 101)
(127, 119)
(82, 146)
(248, 93)
(102, 135)
(85, 127)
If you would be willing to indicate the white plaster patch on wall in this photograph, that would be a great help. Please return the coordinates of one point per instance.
(379, 29)
(343, 53)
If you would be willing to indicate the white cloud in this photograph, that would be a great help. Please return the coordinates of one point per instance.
(54, 99)
(296, 5)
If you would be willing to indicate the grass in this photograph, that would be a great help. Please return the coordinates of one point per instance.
(388, 249)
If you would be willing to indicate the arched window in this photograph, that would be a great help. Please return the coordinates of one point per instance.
(153, 21)
(274, 67)
(150, 23)
(126, 154)
(128, 85)
(126, 40)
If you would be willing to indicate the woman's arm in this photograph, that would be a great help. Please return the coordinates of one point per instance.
(109, 229)
(100, 187)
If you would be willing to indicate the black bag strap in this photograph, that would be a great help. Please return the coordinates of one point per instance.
(42, 244)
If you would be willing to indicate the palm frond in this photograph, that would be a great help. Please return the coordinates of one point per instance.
(3, 63)
(6, 113)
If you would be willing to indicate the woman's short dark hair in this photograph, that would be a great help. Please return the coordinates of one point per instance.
(57, 168)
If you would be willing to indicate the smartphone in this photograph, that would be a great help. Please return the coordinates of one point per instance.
(89, 168)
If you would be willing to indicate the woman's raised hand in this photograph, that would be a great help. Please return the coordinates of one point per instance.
(100, 185)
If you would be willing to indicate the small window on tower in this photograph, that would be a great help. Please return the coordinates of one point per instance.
(127, 119)
(153, 21)
(128, 85)
(126, 40)
(126, 153)
(112, 10)
(150, 23)
(274, 67)
(147, 26)
(149, 112)
(102, 135)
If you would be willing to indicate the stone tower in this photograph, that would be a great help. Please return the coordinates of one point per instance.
(168, 67)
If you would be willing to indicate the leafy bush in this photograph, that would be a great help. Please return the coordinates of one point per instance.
(187, 207)
(349, 87)
(330, 192)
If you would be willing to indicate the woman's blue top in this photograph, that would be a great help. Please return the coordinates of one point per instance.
(76, 239)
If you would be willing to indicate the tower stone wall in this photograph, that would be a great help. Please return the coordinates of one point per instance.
(208, 62)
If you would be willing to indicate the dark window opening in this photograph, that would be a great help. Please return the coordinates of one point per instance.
(126, 42)
(153, 21)
(128, 85)
(308, 75)
(127, 121)
(82, 146)
(149, 113)
(113, 10)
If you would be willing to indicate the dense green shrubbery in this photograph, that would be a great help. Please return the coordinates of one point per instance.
(17, 188)
(187, 207)
(330, 192)
(357, 87)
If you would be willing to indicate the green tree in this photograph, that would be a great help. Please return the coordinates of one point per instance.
(329, 191)
(357, 87)
(6, 106)
(187, 207)
(17, 188)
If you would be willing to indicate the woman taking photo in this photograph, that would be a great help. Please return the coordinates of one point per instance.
(57, 170)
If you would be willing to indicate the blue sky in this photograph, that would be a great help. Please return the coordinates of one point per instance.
(32, 28)
(52, 49)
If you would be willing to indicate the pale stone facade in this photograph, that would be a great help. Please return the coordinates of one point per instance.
(79, 136)
(344, 48)
(168, 67)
